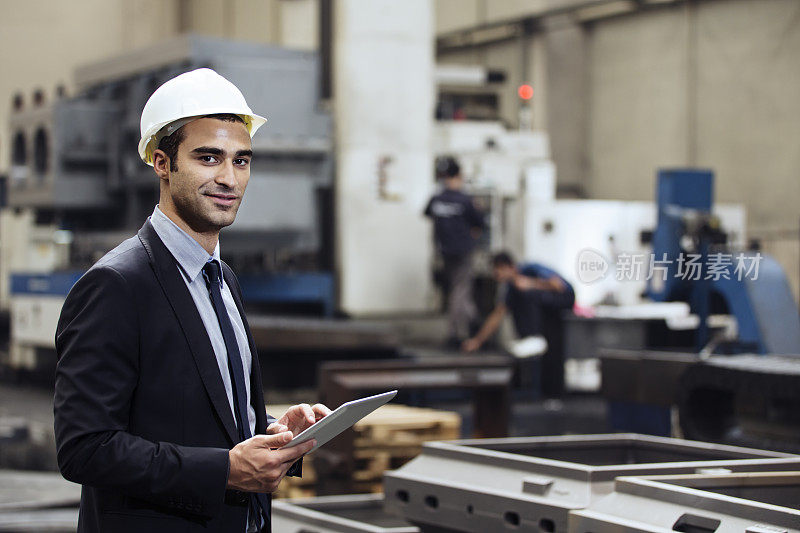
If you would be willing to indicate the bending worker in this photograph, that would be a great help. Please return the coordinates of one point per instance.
(536, 297)
(456, 225)
(159, 409)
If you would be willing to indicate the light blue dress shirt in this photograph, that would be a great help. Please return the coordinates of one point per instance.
(191, 258)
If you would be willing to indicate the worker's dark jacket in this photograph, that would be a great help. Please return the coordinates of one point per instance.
(529, 307)
(454, 217)
(142, 419)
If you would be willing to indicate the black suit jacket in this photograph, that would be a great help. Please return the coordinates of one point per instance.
(142, 420)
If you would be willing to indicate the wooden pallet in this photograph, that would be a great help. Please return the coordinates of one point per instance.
(402, 426)
(385, 439)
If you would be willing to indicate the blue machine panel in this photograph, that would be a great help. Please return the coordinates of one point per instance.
(53, 284)
(677, 191)
(307, 287)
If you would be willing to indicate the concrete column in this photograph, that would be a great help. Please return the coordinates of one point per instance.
(566, 101)
(383, 94)
(538, 74)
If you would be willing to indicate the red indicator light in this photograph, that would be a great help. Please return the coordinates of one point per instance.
(525, 92)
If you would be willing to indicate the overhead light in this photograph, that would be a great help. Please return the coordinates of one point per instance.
(605, 9)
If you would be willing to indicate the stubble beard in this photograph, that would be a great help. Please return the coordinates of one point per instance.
(204, 218)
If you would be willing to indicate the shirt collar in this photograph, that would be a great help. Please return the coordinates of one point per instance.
(189, 254)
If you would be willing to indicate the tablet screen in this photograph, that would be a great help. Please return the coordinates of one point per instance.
(342, 418)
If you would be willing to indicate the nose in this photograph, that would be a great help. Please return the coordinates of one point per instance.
(227, 174)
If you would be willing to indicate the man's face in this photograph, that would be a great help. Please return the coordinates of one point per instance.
(503, 273)
(454, 182)
(213, 168)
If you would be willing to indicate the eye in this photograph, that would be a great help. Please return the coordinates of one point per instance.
(208, 158)
(241, 161)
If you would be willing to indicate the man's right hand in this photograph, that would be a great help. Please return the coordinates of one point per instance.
(257, 466)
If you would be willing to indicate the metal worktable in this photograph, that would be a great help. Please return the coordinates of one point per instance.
(357, 513)
(532, 483)
(719, 503)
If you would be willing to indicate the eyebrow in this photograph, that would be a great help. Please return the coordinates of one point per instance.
(218, 151)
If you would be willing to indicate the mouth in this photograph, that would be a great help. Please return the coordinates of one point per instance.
(223, 199)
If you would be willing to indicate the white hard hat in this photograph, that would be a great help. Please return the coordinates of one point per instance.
(187, 97)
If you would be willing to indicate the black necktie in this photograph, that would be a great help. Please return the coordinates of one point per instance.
(236, 369)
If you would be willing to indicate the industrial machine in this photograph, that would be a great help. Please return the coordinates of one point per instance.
(745, 400)
(532, 483)
(763, 502)
(697, 264)
(77, 187)
(734, 399)
(504, 170)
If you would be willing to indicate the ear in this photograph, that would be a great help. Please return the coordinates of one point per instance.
(161, 164)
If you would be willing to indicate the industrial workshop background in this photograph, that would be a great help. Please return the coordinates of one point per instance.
(698, 83)
(610, 146)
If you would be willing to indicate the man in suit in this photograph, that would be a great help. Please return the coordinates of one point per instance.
(159, 409)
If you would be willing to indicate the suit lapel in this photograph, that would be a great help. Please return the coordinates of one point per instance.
(194, 330)
(256, 390)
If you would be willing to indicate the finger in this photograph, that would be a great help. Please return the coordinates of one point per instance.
(273, 441)
(296, 414)
(320, 411)
(276, 427)
(307, 413)
(295, 452)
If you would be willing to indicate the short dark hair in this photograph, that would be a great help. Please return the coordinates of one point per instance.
(502, 259)
(170, 144)
(447, 167)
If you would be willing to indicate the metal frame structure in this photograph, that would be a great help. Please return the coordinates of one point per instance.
(532, 483)
(717, 503)
(357, 513)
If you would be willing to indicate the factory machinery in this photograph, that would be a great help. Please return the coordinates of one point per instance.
(737, 383)
(747, 285)
(621, 483)
(76, 187)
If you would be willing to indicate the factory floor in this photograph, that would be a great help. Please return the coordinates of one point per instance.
(26, 419)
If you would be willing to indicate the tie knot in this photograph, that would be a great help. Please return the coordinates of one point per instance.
(211, 270)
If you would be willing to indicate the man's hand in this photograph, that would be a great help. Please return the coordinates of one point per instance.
(257, 466)
(299, 417)
(524, 283)
(471, 345)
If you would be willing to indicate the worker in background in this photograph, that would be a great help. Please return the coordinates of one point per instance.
(536, 297)
(159, 407)
(457, 224)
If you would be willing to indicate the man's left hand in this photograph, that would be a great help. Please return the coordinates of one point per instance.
(298, 418)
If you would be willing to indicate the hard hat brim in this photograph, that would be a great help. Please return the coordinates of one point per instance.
(252, 121)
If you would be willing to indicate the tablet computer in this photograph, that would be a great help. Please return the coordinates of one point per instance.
(342, 418)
